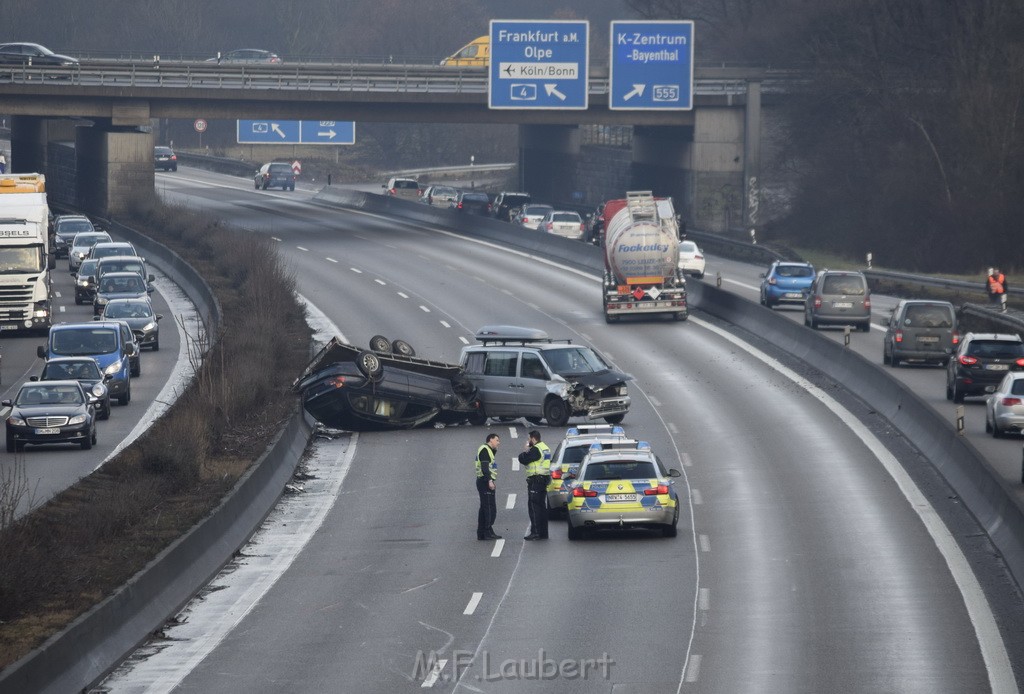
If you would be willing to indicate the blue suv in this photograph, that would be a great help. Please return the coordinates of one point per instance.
(110, 343)
(786, 283)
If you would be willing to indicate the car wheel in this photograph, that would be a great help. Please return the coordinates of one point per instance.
(292, 187)
(174, 168)
(865, 327)
(105, 412)
(886, 359)
(699, 275)
(615, 418)
(958, 396)
(404, 348)
(137, 369)
(681, 316)
(380, 344)
(256, 185)
(127, 397)
(997, 433)
(10, 445)
(78, 299)
(556, 412)
(478, 418)
(156, 346)
(672, 530)
(949, 390)
(812, 322)
(87, 443)
(369, 364)
(574, 533)
(988, 425)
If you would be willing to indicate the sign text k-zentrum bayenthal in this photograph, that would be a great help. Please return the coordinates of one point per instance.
(651, 65)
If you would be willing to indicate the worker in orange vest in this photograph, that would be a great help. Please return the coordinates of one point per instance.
(995, 283)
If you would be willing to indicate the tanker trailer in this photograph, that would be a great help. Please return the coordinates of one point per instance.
(641, 258)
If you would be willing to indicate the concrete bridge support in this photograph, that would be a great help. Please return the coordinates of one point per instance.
(549, 157)
(115, 169)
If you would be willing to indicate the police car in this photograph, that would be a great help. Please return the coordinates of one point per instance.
(620, 488)
(569, 454)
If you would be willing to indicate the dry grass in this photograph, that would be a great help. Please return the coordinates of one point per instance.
(79, 547)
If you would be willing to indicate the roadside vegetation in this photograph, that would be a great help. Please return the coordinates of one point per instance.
(80, 546)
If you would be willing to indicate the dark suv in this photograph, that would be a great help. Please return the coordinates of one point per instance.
(275, 174)
(506, 202)
(981, 362)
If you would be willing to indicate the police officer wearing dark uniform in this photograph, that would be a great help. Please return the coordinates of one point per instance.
(486, 475)
(536, 461)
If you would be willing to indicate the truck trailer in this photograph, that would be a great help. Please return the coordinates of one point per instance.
(641, 258)
(25, 253)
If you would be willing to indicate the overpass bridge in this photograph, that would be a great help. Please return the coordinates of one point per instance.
(106, 108)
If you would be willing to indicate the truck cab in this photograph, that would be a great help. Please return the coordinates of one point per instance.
(26, 255)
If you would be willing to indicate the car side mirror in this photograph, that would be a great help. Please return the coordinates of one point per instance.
(33, 378)
(41, 352)
(149, 289)
(107, 377)
(129, 349)
(152, 278)
(159, 316)
(674, 473)
(762, 275)
(6, 403)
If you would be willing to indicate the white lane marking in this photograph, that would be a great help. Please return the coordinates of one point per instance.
(275, 238)
(302, 248)
(693, 671)
(403, 295)
(993, 650)
(510, 502)
(697, 497)
(498, 546)
(473, 602)
(57, 294)
(446, 324)
(424, 308)
(742, 284)
(63, 309)
(586, 337)
(331, 260)
(464, 340)
(687, 460)
(356, 270)
(654, 401)
(705, 543)
(381, 282)
(673, 428)
(515, 464)
(704, 599)
(513, 433)
(435, 672)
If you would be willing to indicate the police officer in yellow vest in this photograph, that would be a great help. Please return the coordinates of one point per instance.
(536, 461)
(486, 476)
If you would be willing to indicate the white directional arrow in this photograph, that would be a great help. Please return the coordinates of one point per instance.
(277, 129)
(552, 90)
(328, 134)
(638, 90)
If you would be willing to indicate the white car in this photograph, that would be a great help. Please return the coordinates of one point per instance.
(439, 196)
(691, 259)
(530, 216)
(562, 223)
(1004, 408)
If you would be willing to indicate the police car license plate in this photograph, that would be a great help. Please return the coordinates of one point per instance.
(997, 367)
(44, 432)
(842, 304)
(620, 497)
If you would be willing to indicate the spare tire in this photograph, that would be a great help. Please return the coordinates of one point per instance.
(402, 347)
(369, 365)
(380, 344)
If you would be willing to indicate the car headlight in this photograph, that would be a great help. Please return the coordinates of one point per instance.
(16, 421)
(149, 327)
(99, 390)
(101, 300)
(78, 419)
(113, 369)
(82, 282)
(620, 389)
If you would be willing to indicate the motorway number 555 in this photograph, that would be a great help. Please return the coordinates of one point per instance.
(666, 92)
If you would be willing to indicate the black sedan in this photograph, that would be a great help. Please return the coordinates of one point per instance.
(86, 371)
(474, 203)
(361, 390)
(139, 315)
(46, 412)
(32, 54)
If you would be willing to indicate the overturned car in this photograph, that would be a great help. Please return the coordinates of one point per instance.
(385, 387)
(521, 372)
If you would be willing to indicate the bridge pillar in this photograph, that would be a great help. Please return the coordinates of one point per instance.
(549, 156)
(28, 144)
(115, 169)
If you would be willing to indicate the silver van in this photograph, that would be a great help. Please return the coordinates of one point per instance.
(521, 372)
(839, 297)
(920, 331)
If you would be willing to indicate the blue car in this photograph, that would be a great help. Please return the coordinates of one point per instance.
(786, 282)
(110, 343)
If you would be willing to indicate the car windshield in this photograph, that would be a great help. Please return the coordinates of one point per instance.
(84, 341)
(620, 470)
(928, 316)
(566, 217)
(76, 370)
(574, 360)
(135, 309)
(574, 455)
(536, 210)
(1018, 386)
(687, 247)
(163, 150)
(996, 349)
(406, 185)
(89, 240)
(44, 394)
(474, 197)
(121, 284)
(441, 190)
(87, 268)
(74, 226)
(106, 251)
(794, 271)
(843, 284)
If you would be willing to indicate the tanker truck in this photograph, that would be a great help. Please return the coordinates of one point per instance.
(641, 258)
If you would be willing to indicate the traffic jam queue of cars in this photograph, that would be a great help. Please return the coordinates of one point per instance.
(88, 365)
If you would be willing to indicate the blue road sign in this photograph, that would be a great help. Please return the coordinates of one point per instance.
(296, 132)
(538, 64)
(651, 66)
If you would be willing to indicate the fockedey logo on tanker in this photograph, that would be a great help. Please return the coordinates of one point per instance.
(641, 247)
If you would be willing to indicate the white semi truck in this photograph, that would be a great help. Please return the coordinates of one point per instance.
(25, 253)
(641, 258)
